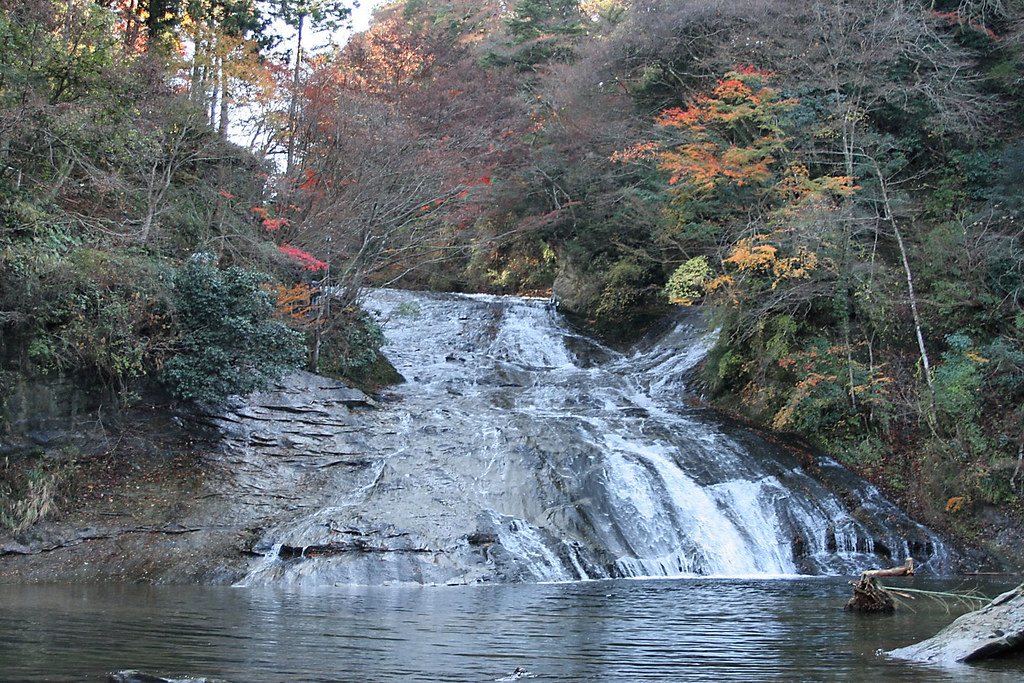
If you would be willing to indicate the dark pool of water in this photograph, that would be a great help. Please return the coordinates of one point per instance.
(664, 630)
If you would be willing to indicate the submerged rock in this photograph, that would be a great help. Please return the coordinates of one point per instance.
(993, 631)
(133, 676)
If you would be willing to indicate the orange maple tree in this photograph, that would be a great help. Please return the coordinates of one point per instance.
(732, 172)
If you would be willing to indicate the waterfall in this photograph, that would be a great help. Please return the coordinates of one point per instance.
(521, 450)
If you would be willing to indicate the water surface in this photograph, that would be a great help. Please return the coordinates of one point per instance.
(620, 630)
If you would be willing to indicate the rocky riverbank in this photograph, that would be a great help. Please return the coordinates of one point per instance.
(179, 498)
(995, 630)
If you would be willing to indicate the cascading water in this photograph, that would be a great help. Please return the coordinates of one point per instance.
(519, 450)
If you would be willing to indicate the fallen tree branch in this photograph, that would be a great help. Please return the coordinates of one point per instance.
(906, 570)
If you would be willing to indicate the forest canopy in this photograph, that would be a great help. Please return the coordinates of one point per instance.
(839, 183)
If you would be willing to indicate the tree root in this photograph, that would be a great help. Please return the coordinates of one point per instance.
(869, 597)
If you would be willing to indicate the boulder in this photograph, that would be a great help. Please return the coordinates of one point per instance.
(994, 630)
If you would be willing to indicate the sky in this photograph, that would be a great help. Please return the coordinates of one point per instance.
(360, 22)
(313, 41)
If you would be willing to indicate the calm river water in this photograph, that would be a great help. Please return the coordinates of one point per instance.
(641, 630)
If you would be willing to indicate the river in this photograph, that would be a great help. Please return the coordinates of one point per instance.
(616, 630)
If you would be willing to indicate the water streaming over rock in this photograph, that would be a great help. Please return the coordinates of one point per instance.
(520, 450)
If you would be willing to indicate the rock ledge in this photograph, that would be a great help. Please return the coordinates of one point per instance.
(992, 631)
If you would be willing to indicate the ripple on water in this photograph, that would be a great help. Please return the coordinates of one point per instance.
(651, 630)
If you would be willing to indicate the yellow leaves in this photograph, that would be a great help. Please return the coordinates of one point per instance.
(641, 151)
(739, 96)
(683, 118)
(747, 165)
(830, 387)
(723, 281)
(758, 256)
(702, 165)
(731, 138)
(732, 90)
(827, 133)
(698, 164)
(874, 383)
(976, 357)
(294, 303)
(804, 391)
(799, 266)
(390, 56)
(748, 256)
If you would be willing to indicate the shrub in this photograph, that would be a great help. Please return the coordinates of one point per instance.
(229, 343)
(686, 284)
(84, 312)
(351, 350)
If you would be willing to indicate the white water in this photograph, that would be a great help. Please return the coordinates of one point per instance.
(574, 461)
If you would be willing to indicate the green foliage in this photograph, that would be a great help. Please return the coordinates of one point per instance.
(792, 141)
(835, 397)
(958, 380)
(958, 399)
(350, 350)
(687, 281)
(516, 267)
(533, 19)
(84, 311)
(329, 14)
(539, 32)
(627, 298)
(1004, 371)
(229, 343)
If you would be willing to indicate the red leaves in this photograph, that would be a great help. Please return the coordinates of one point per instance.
(272, 224)
(957, 19)
(309, 262)
(641, 151)
(311, 182)
(752, 71)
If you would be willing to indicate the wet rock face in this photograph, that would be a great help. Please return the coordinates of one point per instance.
(521, 451)
(995, 630)
(51, 412)
(302, 415)
(517, 450)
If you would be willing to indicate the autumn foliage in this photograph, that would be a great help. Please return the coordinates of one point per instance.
(838, 183)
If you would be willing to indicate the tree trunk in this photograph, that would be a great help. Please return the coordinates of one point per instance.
(222, 125)
(293, 106)
(925, 364)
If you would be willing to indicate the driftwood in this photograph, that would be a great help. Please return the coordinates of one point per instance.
(871, 598)
(906, 570)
